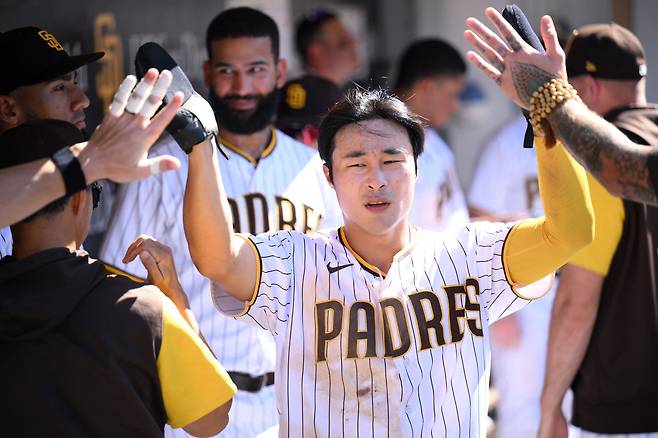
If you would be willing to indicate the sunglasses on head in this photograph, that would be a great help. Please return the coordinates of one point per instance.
(96, 190)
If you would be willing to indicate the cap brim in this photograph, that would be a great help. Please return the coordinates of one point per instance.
(72, 63)
(75, 62)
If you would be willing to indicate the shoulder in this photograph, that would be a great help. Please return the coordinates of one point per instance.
(129, 295)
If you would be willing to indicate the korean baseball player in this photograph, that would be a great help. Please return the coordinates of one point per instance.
(381, 328)
(280, 186)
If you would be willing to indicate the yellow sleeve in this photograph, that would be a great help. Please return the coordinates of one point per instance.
(536, 247)
(193, 382)
(609, 224)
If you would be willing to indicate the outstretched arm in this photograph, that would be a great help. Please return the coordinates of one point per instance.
(537, 247)
(622, 166)
(217, 252)
(116, 150)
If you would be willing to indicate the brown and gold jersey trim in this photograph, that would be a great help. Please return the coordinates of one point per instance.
(364, 264)
(267, 151)
(118, 271)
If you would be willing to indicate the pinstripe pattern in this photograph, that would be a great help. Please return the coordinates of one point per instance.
(439, 202)
(5, 242)
(154, 206)
(440, 391)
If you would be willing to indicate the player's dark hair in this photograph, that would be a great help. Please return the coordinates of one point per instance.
(361, 105)
(243, 22)
(428, 58)
(308, 30)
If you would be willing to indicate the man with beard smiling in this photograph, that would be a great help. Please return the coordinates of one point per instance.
(272, 181)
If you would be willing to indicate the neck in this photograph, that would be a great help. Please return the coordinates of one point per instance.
(40, 235)
(378, 250)
(622, 93)
(252, 144)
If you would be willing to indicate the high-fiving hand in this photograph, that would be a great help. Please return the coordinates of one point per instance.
(118, 148)
(512, 63)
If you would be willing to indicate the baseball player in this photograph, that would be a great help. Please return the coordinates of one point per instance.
(505, 187)
(430, 78)
(272, 182)
(41, 85)
(381, 328)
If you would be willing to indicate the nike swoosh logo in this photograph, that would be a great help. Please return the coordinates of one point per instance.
(337, 268)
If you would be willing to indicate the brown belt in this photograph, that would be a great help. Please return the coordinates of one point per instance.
(249, 383)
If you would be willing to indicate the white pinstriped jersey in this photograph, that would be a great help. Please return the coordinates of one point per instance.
(359, 354)
(286, 190)
(439, 202)
(505, 180)
(6, 242)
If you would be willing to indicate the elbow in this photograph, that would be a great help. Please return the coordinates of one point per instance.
(212, 268)
(212, 423)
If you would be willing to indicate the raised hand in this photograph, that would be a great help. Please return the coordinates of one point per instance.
(118, 148)
(509, 61)
(158, 260)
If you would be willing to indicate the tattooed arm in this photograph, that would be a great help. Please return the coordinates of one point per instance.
(619, 164)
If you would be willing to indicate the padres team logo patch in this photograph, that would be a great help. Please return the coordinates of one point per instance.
(51, 40)
(296, 96)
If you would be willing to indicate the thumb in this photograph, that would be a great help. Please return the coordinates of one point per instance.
(549, 35)
(155, 165)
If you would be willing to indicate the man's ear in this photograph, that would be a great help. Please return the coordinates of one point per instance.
(281, 71)
(327, 175)
(10, 112)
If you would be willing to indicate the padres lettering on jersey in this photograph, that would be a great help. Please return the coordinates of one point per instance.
(257, 213)
(405, 354)
(434, 327)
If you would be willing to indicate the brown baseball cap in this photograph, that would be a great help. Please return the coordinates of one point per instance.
(32, 55)
(306, 100)
(607, 51)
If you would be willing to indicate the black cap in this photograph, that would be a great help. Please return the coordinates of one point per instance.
(32, 55)
(607, 51)
(36, 139)
(306, 100)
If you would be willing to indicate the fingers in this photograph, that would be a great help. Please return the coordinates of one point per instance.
(485, 51)
(160, 164)
(121, 96)
(488, 36)
(133, 249)
(549, 35)
(154, 99)
(514, 41)
(140, 93)
(485, 67)
(162, 119)
(149, 262)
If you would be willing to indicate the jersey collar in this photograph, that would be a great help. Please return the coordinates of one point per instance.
(253, 160)
(372, 269)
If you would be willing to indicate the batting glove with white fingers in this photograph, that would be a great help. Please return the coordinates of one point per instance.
(195, 120)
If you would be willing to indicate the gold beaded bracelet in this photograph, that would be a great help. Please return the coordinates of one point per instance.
(544, 100)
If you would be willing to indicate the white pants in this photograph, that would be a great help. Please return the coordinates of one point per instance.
(518, 372)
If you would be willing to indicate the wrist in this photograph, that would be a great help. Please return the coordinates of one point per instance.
(90, 165)
(550, 405)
